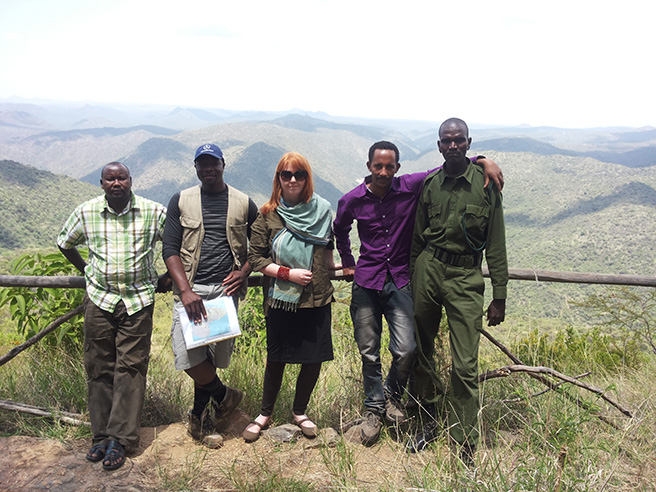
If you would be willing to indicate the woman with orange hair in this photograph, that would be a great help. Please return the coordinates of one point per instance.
(291, 244)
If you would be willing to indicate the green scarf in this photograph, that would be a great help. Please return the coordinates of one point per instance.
(306, 225)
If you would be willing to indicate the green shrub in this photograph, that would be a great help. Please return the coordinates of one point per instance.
(35, 308)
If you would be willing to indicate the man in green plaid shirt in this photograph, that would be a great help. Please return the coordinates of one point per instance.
(120, 229)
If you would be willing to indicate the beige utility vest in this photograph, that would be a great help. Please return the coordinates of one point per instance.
(191, 220)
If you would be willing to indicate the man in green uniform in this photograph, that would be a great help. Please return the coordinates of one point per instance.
(457, 219)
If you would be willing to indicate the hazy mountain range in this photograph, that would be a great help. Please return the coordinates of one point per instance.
(580, 200)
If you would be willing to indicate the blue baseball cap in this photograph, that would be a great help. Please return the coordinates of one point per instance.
(209, 149)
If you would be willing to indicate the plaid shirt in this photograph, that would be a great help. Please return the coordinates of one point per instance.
(121, 250)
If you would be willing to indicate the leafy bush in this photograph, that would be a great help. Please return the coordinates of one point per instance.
(34, 309)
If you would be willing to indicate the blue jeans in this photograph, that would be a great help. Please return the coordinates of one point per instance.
(368, 307)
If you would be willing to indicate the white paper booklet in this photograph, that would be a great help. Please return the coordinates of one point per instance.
(222, 323)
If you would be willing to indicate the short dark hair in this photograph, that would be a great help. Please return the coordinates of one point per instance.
(113, 164)
(453, 122)
(383, 145)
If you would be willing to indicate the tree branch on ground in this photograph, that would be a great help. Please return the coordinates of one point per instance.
(540, 393)
(507, 370)
(67, 417)
(535, 373)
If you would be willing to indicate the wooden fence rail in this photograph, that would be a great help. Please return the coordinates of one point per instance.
(61, 282)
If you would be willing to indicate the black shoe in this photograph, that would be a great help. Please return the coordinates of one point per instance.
(115, 456)
(426, 435)
(467, 452)
(96, 453)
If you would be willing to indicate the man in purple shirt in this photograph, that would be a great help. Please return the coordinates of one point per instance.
(384, 207)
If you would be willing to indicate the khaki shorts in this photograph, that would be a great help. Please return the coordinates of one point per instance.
(218, 354)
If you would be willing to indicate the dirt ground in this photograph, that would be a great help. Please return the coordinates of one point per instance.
(167, 459)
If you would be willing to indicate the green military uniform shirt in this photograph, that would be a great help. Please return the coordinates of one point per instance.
(458, 215)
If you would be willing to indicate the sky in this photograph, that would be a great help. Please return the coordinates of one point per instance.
(572, 64)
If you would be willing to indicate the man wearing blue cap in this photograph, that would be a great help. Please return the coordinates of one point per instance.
(205, 250)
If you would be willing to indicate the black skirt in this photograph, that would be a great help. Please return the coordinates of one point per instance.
(301, 337)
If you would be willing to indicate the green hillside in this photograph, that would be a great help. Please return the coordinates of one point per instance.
(579, 214)
(574, 214)
(34, 205)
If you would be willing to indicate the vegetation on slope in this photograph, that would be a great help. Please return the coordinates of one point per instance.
(34, 205)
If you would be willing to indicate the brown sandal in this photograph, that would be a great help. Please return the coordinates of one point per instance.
(308, 431)
(250, 436)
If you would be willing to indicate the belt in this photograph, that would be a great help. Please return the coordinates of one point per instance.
(467, 261)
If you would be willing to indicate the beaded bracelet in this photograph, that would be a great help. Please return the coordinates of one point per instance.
(283, 273)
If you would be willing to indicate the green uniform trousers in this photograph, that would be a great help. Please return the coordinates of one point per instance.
(460, 291)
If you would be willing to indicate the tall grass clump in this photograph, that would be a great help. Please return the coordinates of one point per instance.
(568, 439)
(548, 443)
(264, 476)
(52, 376)
(246, 370)
(573, 349)
(168, 392)
(339, 394)
(46, 377)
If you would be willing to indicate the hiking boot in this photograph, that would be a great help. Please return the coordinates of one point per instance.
(370, 428)
(393, 413)
(200, 429)
(364, 430)
(426, 435)
(223, 411)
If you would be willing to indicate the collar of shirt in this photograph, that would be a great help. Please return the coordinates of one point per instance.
(133, 203)
(451, 180)
(363, 188)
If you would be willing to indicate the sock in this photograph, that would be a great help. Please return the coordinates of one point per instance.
(201, 399)
(217, 389)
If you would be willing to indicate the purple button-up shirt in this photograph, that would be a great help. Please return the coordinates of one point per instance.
(385, 229)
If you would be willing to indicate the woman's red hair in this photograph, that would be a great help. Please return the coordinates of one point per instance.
(291, 161)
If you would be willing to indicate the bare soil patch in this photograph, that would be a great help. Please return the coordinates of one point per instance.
(168, 459)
